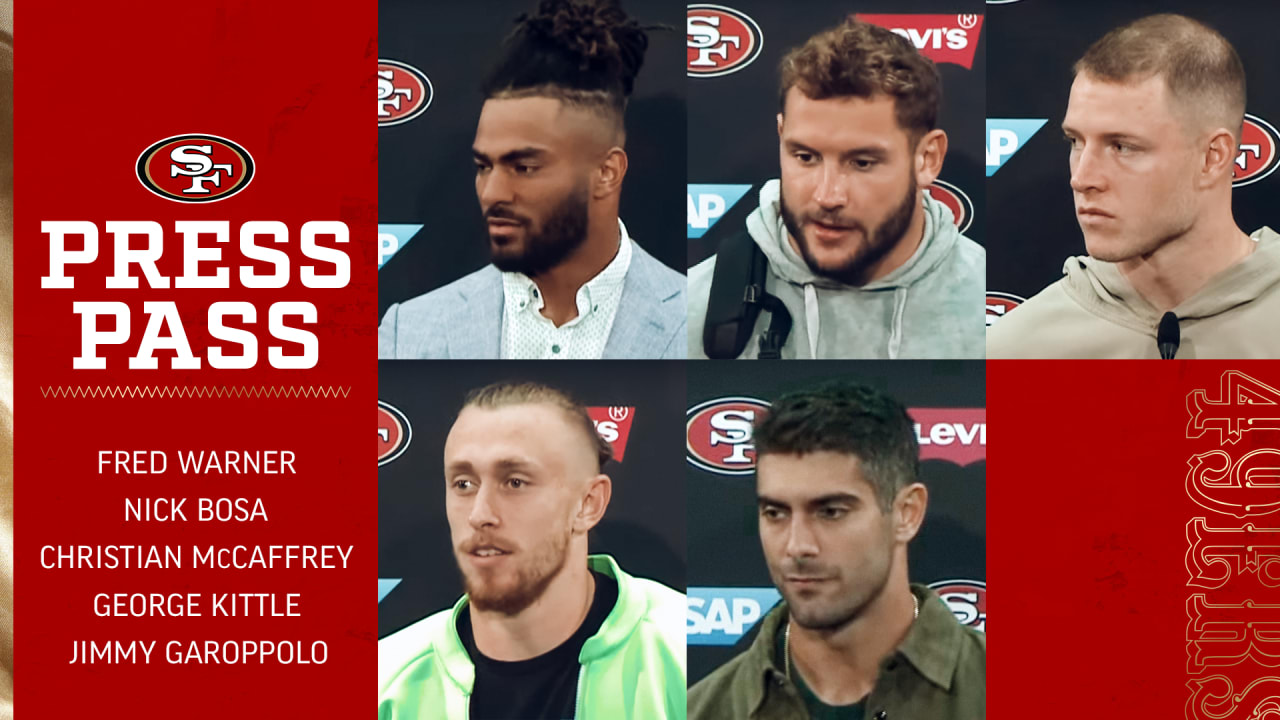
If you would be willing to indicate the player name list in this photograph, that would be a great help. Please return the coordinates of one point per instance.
(212, 532)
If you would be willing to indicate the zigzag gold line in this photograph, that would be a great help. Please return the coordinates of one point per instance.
(180, 391)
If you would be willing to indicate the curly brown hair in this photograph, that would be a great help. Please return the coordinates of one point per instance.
(863, 60)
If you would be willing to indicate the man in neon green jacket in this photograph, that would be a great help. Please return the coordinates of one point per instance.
(544, 631)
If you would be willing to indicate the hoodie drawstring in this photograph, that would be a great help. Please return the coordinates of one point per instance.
(812, 322)
(895, 334)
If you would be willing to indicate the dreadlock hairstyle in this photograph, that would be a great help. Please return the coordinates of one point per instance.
(585, 53)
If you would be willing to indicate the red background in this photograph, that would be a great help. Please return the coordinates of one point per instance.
(1087, 535)
(96, 84)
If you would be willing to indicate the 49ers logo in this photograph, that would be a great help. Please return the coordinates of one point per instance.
(614, 425)
(195, 168)
(999, 304)
(956, 200)
(941, 38)
(1259, 151)
(718, 434)
(394, 433)
(966, 599)
(404, 92)
(720, 40)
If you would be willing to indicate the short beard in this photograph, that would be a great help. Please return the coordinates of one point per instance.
(856, 269)
(531, 581)
(564, 231)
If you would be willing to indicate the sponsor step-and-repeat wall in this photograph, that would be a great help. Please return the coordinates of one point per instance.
(1028, 185)
(729, 585)
(433, 58)
(732, 63)
(636, 406)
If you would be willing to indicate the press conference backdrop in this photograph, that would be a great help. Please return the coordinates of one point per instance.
(734, 49)
(729, 585)
(638, 407)
(433, 58)
(1033, 45)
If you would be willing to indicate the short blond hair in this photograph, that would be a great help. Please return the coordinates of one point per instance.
(1199, 66)
(504, 394)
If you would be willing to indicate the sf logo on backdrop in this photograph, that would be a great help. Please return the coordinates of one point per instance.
(1259, 151)
(394, 432)
(956, 200)
(404, 92)
(195, 168)
(718, 434)
(719, 40)
(966, 599)
(1000, 304)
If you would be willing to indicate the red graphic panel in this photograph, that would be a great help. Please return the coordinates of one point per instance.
(1135, 500)
(195, 523)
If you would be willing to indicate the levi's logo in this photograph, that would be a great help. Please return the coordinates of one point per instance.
(195, 168)
(941, 38)
(614, 425)
(957, 435)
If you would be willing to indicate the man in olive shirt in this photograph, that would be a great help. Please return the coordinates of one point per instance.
(839, 499)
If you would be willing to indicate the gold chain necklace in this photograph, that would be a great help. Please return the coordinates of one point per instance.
(786, 634)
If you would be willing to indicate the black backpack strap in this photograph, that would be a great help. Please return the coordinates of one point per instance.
(736, 299)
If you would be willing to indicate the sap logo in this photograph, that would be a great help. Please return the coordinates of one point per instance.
(1004, 138)
(404, 92)
(719, 40)
(614, 425)
(999, 304)
(718, 434)
(966, 599)
(1259, 151)
(722, 615)
(941, 38)
(707, 203)
(394, 433)
(195, 168)
(385, 586)
(393, 237)
(957, 435)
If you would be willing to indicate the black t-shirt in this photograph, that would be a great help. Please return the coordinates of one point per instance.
(540, 688)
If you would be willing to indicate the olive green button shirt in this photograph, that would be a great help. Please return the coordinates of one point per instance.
(939, 672)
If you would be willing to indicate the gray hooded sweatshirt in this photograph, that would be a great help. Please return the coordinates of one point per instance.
(1093, 312)
(931, 307)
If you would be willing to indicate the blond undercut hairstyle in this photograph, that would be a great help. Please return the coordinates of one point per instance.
(858, 59)
(1200, 68)
(505, 394)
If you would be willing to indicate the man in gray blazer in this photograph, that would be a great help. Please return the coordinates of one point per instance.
(566, 280)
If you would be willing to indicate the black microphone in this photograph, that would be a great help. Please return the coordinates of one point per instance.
(1168, 336)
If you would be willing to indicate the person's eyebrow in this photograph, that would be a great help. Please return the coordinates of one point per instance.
(512, 156)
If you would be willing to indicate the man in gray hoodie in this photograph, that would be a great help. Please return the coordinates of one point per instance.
(1154, 123)
(864, 261)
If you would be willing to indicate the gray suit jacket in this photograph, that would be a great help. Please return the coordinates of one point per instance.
(464, 318)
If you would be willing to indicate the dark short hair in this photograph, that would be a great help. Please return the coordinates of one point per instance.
(845, 417)
(1199, 66)
(585, 53)
(858, 59)
(504, 394)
